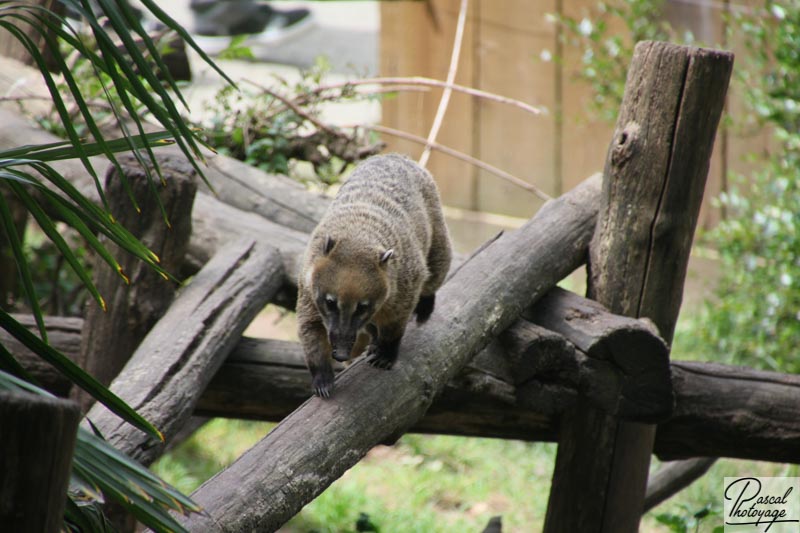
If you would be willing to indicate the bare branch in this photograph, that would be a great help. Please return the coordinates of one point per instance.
(431, 82)
(519, 182)
(451, 76)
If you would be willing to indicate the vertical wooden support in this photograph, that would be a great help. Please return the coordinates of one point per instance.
(109, 338)
(654, 177)
(38, 439)
(10, 46)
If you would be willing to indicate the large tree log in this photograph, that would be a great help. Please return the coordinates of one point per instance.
(655, 174)
(630, 345)
(720, 409)
(35, 459)
(322, 439)
(672, 477)
(111, 335)
(514, 389)
(177, 359)
(64, 334)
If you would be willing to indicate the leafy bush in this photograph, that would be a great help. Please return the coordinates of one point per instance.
(607, 52)
(269, 127)
(755, 317)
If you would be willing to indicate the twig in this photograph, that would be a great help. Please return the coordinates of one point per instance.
(451, 76)
(458, 155)
(296, 109)
(431, 82)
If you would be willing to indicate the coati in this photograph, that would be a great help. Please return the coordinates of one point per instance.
(378, 255)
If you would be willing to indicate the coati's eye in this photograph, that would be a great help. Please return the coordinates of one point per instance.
(361, 308)
(330, 302)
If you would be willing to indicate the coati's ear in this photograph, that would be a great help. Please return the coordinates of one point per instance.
(328, 246)
(385, 256)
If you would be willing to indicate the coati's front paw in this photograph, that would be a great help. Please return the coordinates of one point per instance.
(382, 357)
(424, 308)
(322, 384)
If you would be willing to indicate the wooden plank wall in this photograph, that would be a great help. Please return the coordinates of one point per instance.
(502, 50)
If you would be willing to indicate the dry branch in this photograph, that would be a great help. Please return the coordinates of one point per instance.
(317, 443)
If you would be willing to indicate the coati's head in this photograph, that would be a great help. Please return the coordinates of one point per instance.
(349, 284)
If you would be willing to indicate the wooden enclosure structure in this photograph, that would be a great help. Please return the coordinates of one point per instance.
(503, 49)
(504, 355)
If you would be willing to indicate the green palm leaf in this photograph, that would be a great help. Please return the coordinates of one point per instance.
(76, 374)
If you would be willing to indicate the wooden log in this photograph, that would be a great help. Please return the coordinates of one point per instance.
(179, 356)
(277, 198)
(720, 409)
(64, 334)
(654, 178)
(319, 441)
(760, 415)
(111, 336)
(35, 460)
(673, 477)
(632, 346)
(215, 223)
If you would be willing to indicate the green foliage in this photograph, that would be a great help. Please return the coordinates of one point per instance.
(270, 127)
(755, 317)
(606, 50)
(127, 82)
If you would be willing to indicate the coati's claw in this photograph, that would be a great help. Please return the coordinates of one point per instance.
(322, 385)
(378, 361)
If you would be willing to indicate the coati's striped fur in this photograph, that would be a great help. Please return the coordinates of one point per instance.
(378, 255)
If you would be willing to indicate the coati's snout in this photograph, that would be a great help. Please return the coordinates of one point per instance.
(348, 295)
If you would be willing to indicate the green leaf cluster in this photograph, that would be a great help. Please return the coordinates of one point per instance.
(605, 38)
(755, 317)
(128, 74)
(273, 127)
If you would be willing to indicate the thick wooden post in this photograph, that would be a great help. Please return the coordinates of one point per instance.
(110, 337)
(653, 185)
(38, 439)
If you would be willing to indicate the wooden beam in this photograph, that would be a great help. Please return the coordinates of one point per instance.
(719, 410)
(318, 442)
(632, 346)
(516, 388)
(35, 460)
(173, 364)
(673, 477)
(654, 177)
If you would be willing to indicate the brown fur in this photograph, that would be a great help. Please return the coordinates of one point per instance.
(377, 256)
